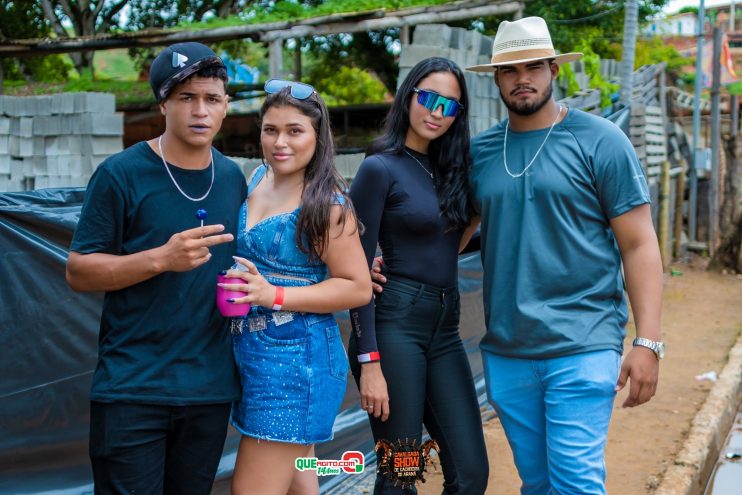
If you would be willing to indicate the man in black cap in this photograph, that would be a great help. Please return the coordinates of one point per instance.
(157, 226)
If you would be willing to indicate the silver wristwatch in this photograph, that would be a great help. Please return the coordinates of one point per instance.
(657, 347)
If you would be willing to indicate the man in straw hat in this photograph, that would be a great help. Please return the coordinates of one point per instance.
(563, 202)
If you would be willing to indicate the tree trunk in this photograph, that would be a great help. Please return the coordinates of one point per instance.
(729, 253)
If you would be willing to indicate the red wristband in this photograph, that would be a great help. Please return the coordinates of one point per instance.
(278, 301)
(369, 357)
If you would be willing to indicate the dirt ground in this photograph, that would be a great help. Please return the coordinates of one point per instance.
(702, 318)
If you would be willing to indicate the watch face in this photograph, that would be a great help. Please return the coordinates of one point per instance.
(660, 350)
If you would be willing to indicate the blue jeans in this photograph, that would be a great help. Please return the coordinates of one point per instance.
(555, 413)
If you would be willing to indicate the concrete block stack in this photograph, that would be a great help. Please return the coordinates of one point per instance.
(57, 140)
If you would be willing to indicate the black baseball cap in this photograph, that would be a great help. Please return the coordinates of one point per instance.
(176, 63)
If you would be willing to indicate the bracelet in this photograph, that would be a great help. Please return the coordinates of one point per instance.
(369, 357)
(278, 301)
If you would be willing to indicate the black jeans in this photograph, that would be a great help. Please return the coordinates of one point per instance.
(429, 382)
(155, 449)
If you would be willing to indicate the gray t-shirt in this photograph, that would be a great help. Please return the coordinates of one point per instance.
(552, 268)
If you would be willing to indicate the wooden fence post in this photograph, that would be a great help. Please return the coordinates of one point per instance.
(679, 201)
(664, 215)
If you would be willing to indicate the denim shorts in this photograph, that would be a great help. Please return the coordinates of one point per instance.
(293, 370)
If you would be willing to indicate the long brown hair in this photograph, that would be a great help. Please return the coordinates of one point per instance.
(449, 153)
(322, 182)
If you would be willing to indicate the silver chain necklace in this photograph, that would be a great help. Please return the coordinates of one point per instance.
(505, 147)
(211, 158)
(418, 162)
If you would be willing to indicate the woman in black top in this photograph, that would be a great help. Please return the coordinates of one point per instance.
(406, 353)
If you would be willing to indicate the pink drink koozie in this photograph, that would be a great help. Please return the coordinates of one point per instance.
(227, 308)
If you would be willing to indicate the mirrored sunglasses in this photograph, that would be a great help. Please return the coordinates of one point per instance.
(432, 101)
(300, 91)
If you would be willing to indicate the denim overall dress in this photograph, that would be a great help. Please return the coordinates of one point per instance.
(292, 365)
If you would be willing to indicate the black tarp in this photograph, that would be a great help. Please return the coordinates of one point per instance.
(48, 349)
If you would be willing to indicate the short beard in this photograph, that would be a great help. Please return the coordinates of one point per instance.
(525, 108)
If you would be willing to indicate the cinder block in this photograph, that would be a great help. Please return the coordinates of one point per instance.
(100, 124)
(485, 47)
(458, 38)
(52, 167)
(79, 180)
(63, 103)
(78, 165)
(20, 147)
(101, 145)
(39, 165)
(473, 42)
(16, 169)
(432, 35)
(10, 185)
(95, 102)
(9, 105)
(412, 54)
(55, 145)
(483, 59)
(4, 164)
(43, 105)
(469, 57)
(403, 71)
(37, 145)
(49, 126)
(4, 145)
(26, 127)
(25, 106)
(28, 166)
(91, 162)
(457, 56)
(55, 181)
(42, 181)
(4, 125)
(96, 124)
(63, 164)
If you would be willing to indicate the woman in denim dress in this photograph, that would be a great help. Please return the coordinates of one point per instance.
(301, 256)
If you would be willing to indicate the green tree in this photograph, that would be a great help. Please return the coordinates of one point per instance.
(349, 86)
(87, 17)
(372, 51)
(22, 19)
(598, 23)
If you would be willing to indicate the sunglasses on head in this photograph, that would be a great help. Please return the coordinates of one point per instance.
(432, 101)
(300, 91)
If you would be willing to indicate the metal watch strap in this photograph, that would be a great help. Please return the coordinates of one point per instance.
(651, 345)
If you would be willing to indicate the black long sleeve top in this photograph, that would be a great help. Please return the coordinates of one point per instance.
(395, 199)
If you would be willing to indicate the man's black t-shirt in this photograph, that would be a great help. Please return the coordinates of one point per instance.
(162, 341)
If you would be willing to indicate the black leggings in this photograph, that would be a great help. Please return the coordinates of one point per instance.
(429, 382)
